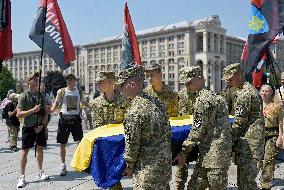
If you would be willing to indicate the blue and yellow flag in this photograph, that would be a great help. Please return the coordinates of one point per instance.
(266, 22)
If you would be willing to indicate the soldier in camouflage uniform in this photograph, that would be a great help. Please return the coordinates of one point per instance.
(229, 93)
(109, 107)
(185, 107)
(248, 128)
(273, 116)
(147, 134)
(160, 90)
(213, 136)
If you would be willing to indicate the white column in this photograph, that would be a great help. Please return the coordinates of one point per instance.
(212, 45)
(205, 46)
(176, 81)
(166, 71)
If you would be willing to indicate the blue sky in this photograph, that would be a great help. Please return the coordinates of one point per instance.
(91, 20)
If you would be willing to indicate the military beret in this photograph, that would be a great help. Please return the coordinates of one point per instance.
(36, 74)
(231, 70)
(136, 71)
(153, 67)
(105, 75)
(187, 73)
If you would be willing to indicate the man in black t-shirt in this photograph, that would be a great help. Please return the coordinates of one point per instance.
(12, 121)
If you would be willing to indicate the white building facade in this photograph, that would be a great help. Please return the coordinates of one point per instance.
(202, 42)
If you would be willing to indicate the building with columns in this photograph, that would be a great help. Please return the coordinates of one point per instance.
(202, 42)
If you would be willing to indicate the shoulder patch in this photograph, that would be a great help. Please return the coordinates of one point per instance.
(239, 111)
(197, 122)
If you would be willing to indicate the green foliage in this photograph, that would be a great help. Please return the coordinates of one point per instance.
(7, 82)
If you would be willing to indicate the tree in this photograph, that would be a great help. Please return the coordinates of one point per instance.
(7, 82)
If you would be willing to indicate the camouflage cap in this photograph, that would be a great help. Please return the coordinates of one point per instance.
(105, 75)
(231, 70)
(188, 73)
(136, 71)
(153, 67)
(36, 74)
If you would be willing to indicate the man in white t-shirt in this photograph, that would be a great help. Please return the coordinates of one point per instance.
(68, 99)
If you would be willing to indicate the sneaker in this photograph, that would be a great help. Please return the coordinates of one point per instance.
(63, 171)
(22, 182)
(14, 148)
(42, 176)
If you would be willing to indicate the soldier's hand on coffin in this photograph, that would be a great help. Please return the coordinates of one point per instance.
(180, 159)
(128, 172)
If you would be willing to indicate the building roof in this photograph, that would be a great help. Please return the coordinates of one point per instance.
(182, 24)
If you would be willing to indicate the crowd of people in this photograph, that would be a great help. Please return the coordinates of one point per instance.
(253, 140)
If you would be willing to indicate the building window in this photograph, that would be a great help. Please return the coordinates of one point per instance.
(161, 40)
(171, 61)
(162, 47)
(171, 38)
(144, 42)
(171, 46)
(180, 52)
(181, 45)
(180, 37)
(153, 48)
(171, 53)
(161, 61)
(153, 41)
(153, 61)
(162, 54)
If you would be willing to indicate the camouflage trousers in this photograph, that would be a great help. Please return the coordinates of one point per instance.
(117, 186)
(247, 166)
(13, 132)
(212, 178)
(268, 164)
(181, 176)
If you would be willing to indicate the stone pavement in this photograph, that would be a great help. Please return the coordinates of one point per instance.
(9, 168)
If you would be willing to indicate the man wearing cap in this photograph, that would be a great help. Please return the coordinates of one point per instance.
(248, 128)
(185, 107)
(32, 107)
(212, 132)
(12, 121)
(147, 134)
(160, 90)
(68, 99)
(109, 107)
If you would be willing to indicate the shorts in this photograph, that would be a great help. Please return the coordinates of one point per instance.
(67, 125)
(29, 137)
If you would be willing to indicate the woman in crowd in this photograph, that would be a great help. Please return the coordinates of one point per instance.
(274, 138)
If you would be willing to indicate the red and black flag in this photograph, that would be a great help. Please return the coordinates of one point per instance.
(5, 30)
(57, 42)
(130, 48)
(266, 22)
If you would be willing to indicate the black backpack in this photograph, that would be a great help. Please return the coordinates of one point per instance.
(5, 113)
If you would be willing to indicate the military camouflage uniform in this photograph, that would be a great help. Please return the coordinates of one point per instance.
(271, 151)
(213, 137)
(168, 97)
(147, 138)
(185, 107)
(105, 112)
(229, 94)
(247, 131)
(147, 148)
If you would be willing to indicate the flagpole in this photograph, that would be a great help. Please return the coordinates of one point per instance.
(41, 57)
(270, 62)
(1, 66)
